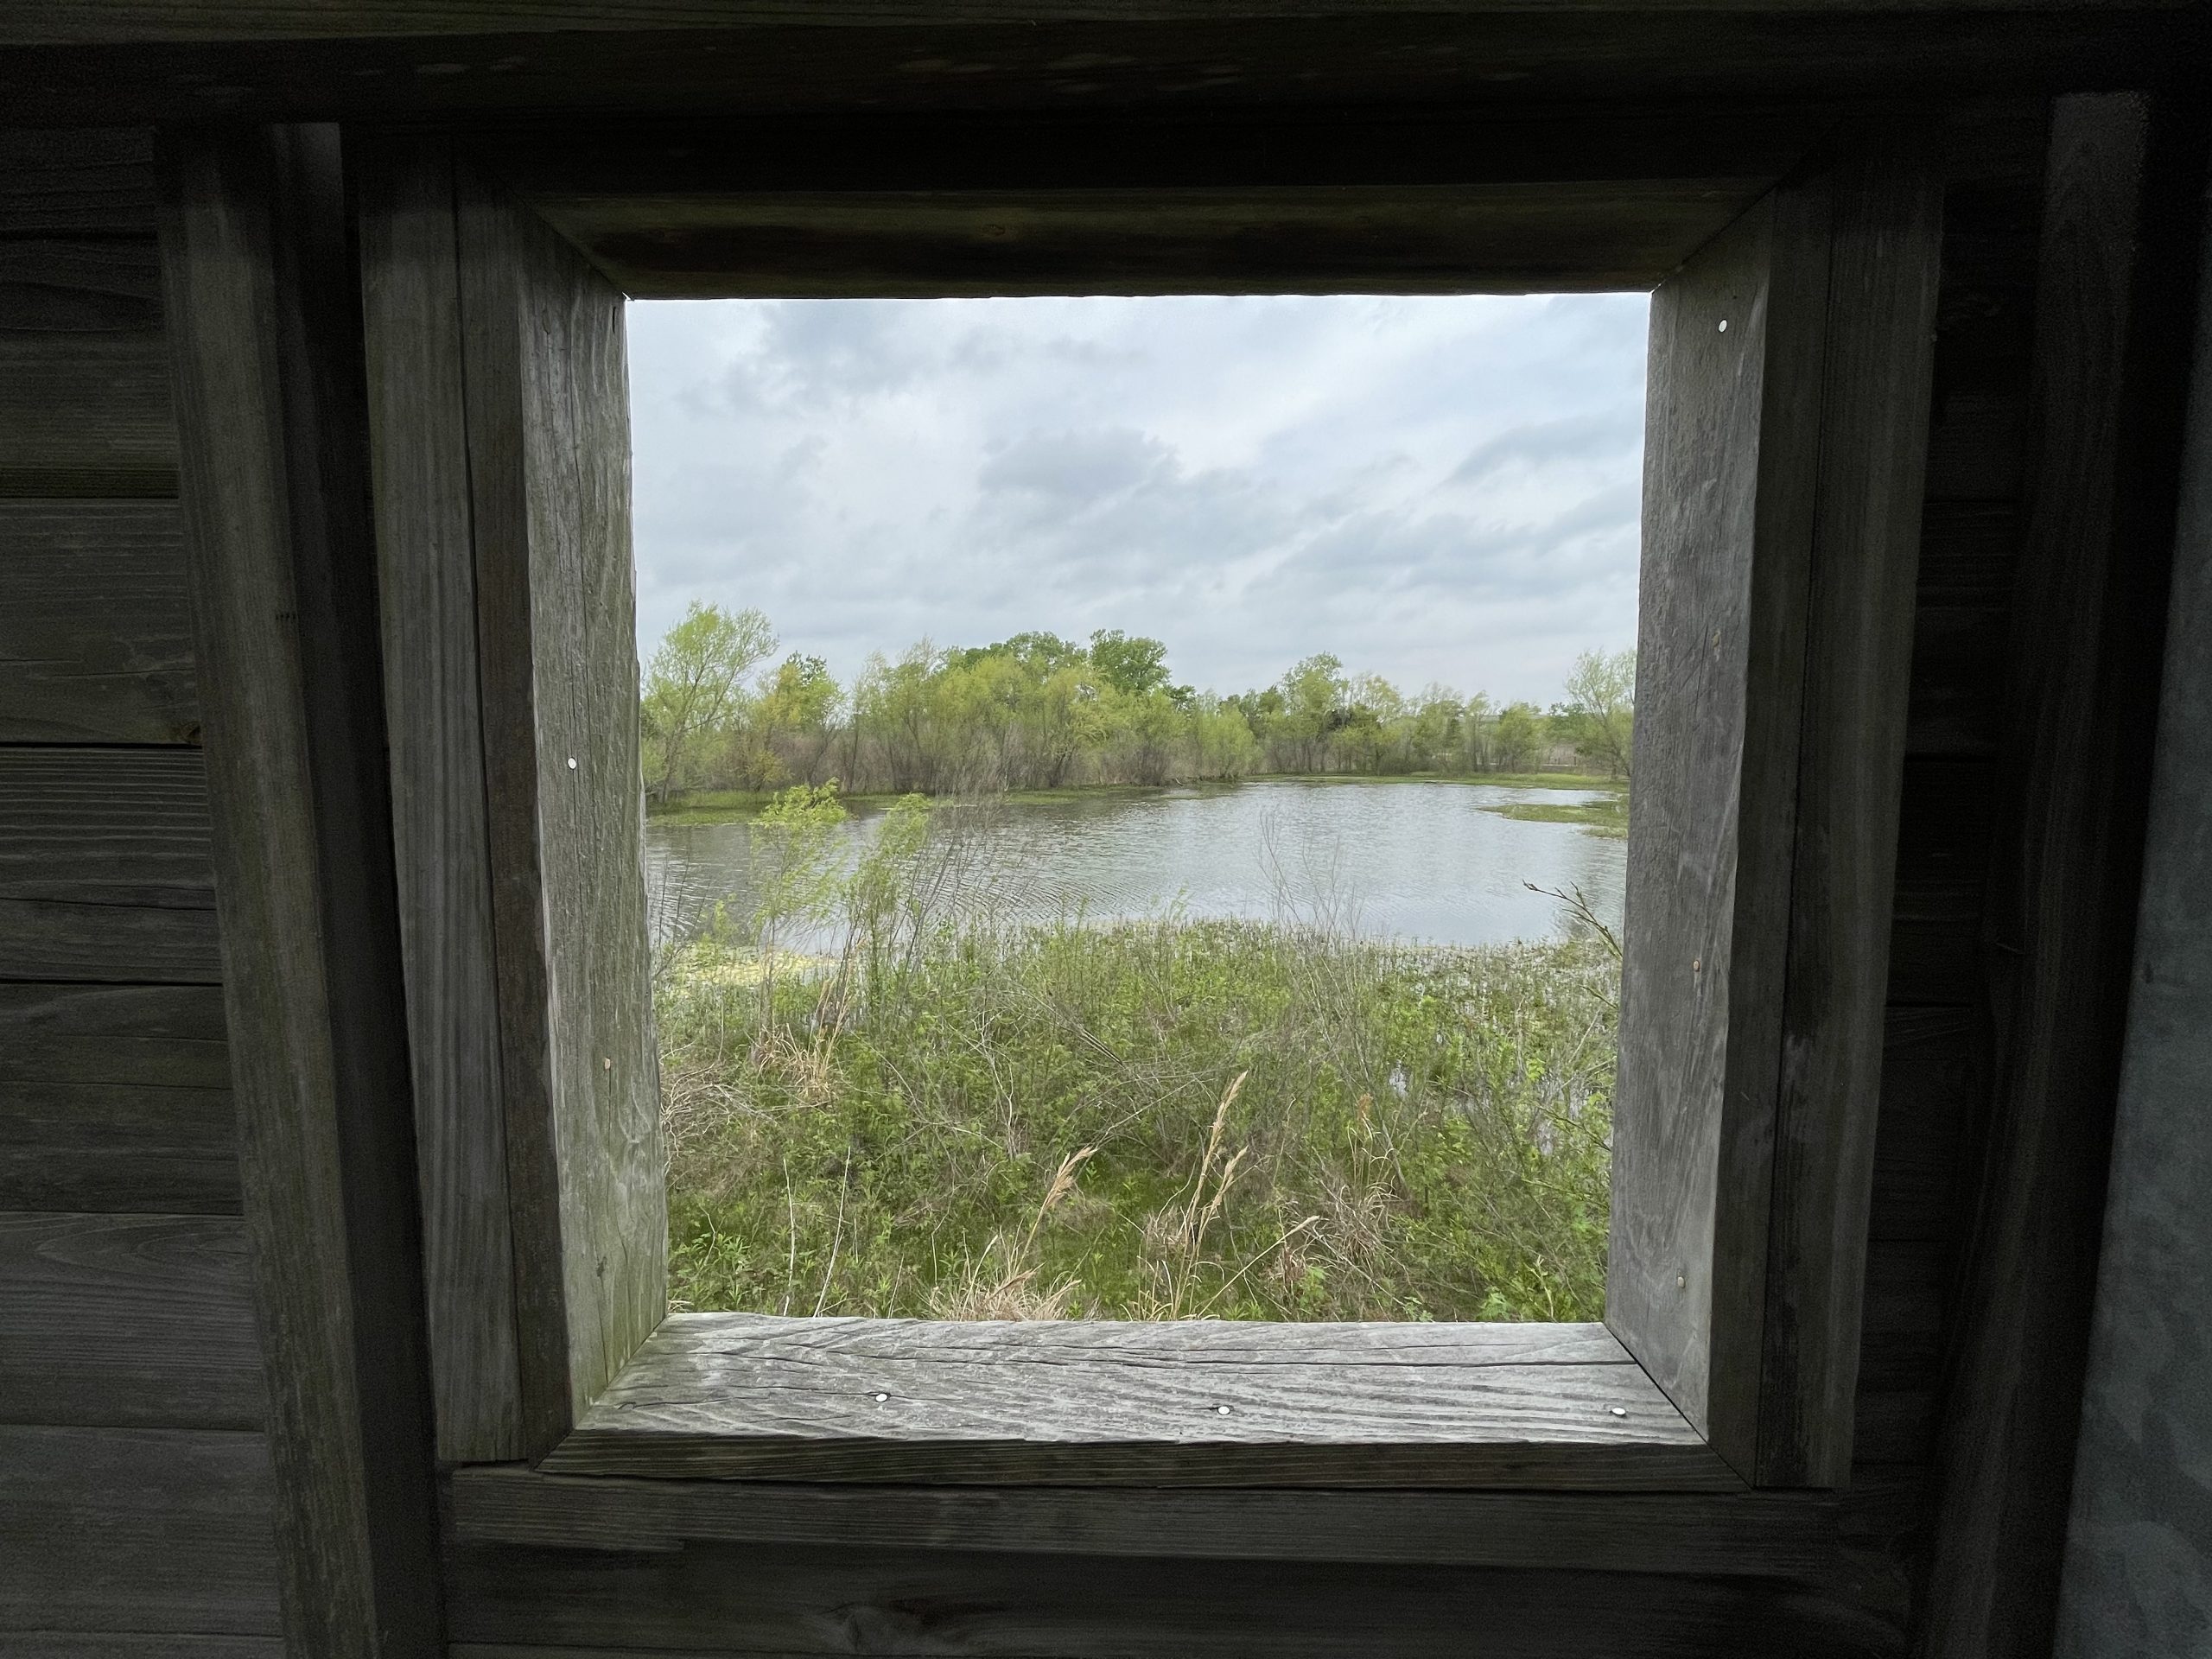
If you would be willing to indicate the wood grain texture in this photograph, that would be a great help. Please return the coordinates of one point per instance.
(1883, 270)
(897, 1400)
(1754, 1535)
(427, 587)
(74, 180)
(116, 1098)
(95, 638)
(1783, 508)
(1505, 239)
(127, 1321)
(80, 284)
(136, 1531)
(125, 1644)
(118, 1147)
(85, 414)
(783, 1599)
(1382, 199)
(549, 463)
(104, 868)
(89, 826)
(260, 292)
(2113, 296)
(1729, 494)
(161, 1036)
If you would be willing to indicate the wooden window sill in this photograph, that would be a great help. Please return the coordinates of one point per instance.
(722, 1397)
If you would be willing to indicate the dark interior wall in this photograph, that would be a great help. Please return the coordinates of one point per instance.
(136, 1508)
(134, 1484)
(1935, 1066)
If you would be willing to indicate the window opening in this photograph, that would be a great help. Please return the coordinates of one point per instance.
(1137, 800)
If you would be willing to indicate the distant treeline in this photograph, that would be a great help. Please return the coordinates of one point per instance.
(1037, 711)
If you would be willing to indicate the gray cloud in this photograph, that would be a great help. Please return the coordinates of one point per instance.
(1434, 489)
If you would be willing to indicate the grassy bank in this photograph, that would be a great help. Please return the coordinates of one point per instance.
(1606, 816)
(1169, 1120)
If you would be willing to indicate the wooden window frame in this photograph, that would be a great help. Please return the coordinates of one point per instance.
(1794, 277)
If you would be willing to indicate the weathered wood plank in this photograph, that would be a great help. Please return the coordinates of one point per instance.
(95, 638)
(1386, 200)
(126, 826)
(115, 1097)
(78, 284)
(263, 298)
(2146, 1420)
(1883, 272)
(1507, 239)
(77, 181)
(85, 414)
(1730, 494)
(165, 1036)
(549, 469)
(1754, 1535)
(105, 869)
(1783, 511)
(773, 1598)
(1198, 1403)
(118, 1147)
(127, 1320)
(2123, 188)
(53, 938)
(136, 1531)
(427, 586)
(125, 1644)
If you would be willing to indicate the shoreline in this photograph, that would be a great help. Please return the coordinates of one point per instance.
(1607, 816)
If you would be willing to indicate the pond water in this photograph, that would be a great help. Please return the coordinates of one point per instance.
(1420, 861)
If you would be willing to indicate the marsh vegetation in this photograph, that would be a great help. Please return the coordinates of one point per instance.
(885, 1095)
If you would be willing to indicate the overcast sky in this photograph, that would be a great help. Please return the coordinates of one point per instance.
(1433, 489)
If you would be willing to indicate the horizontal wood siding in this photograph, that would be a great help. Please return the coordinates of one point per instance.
(791, 1601)
(136, 1529)
(94, 643)
(136, 1512)
(1774, 1534)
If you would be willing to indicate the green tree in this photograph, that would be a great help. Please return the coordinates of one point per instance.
(799, 707)
(1133, 666)
(694, 688)
(1516, 737)
(1313, 696)
(1600, 707)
